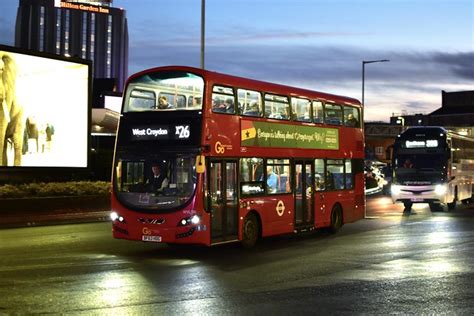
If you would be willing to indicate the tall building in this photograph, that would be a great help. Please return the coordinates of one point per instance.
(91, 30)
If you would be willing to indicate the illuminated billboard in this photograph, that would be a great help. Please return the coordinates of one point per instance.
(44, 116)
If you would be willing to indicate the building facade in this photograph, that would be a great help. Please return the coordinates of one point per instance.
(457, 109)
(456, 114)
(91, 30)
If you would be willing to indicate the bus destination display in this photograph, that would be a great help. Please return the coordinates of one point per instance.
(160, 132)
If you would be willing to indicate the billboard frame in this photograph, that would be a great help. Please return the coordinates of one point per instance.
(15, 174)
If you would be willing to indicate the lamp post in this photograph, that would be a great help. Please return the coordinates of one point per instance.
(203, 33)
(363, 72)
(363, 101)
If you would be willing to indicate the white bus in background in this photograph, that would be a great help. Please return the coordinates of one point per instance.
(432, 165)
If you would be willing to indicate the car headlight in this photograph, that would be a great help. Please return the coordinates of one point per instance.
(395, 189)
(440, 189)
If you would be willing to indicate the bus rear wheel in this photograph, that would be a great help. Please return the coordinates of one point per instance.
(336, 219)
(250, 231)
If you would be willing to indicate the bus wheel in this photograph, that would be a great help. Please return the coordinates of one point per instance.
(407, 206)
(336, 219)
(436, 207)
(250, 231)
(452, 205)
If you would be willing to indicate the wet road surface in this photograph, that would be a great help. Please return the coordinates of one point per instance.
(419, 263)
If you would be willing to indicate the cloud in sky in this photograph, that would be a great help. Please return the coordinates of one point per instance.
(317, 45)
(412, 81)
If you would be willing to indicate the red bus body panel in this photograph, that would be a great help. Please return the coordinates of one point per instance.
(221, 136)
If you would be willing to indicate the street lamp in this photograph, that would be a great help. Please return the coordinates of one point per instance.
(363, 72)
(401, 121)
(363, 101)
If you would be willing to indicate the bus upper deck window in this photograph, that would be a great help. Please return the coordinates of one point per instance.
(141, 100)
(164, 90)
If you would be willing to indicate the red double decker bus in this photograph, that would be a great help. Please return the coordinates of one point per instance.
(208, 158)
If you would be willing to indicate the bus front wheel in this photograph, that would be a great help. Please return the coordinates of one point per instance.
(250, 231)
(407, 206)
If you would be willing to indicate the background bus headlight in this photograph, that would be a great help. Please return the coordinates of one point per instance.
(395, 189)
(440, 189)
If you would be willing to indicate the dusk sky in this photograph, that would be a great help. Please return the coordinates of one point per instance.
(314, 44)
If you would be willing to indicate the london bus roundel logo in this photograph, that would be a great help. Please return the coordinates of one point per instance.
(280, 208)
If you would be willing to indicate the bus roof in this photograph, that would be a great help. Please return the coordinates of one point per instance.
(432, 131)
(256, 84)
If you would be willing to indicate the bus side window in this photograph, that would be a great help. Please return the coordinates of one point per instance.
(251, 102)
(223, 100)
(318, 112)
(251, 176)
(335, 174)
(277, 107)
(333, 114)
(349, 175)
(278, 180)
(301, 109)
(351, 116)
(319, 175)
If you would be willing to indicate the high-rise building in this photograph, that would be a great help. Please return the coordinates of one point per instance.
(91, 30)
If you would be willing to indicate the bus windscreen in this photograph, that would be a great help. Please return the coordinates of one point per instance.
(164, 91)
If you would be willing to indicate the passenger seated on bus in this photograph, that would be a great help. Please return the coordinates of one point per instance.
(319, 182)
(351, 120)
(272, 180)
(280, 115)
(229, 105)
(305, 116)
(217, 105)
(163, 103)
(252, 109)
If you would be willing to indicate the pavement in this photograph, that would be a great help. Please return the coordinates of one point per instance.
(10, 219)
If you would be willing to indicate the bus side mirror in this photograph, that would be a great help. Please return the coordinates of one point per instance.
(200, 164)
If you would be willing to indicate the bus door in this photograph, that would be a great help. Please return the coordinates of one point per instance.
(224, 201)
(304, 193)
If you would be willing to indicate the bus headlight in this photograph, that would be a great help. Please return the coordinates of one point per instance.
(395, 189)
(440, 189)
(114, 216)
(195, 219)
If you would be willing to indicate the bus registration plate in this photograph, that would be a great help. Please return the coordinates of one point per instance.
(416, 199)
(151, 238)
